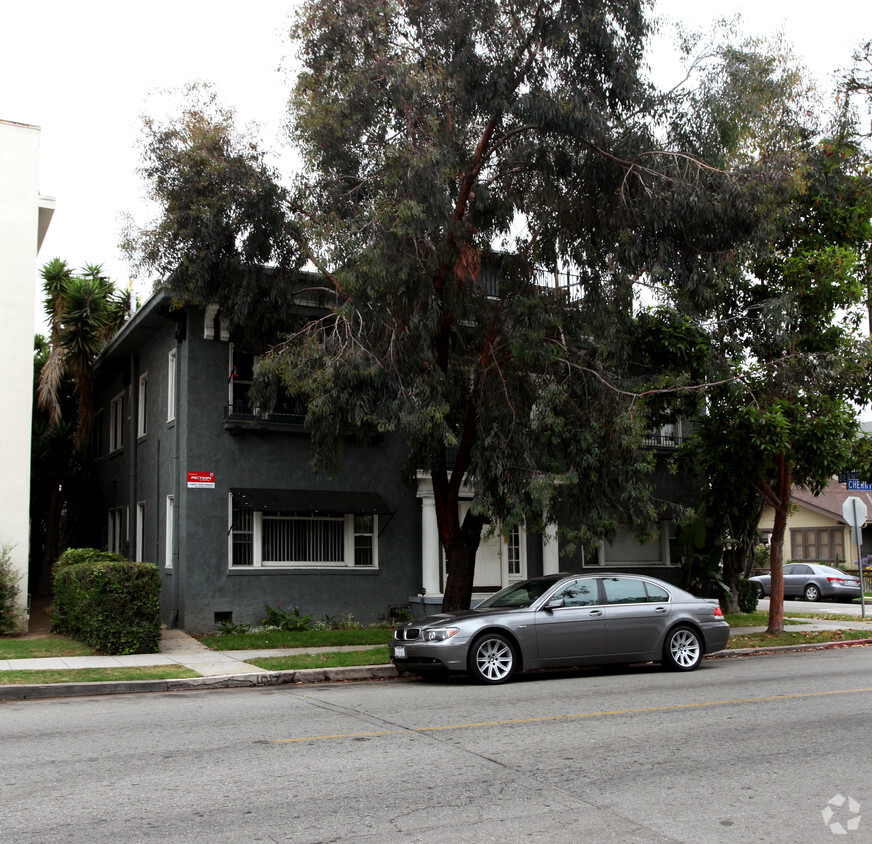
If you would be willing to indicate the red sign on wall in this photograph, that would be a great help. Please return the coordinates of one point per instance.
(201, 480)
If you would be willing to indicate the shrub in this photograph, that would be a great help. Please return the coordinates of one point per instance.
(9, 590)
(285, 618)
(74, 556)
(108, 602)
(748, 596)
(761, 557)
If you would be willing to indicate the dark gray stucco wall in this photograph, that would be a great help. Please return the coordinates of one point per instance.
(278, 459)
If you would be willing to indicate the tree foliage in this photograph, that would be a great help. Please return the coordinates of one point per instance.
(223, 215)
(84, 311)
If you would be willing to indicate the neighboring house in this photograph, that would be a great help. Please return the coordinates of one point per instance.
(222, 498)
(24, 220)
(816, 530)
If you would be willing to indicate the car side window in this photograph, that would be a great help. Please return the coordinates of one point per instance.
(791, 569)
(625, 590)
(579, 593)
(656, 594)
(801, 570)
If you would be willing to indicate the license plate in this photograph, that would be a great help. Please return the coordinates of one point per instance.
(399, 652)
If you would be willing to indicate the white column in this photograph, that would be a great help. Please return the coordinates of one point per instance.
(429, 544)
(550, 551)
(664, 543)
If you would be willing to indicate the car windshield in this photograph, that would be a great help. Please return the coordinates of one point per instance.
(519, 595)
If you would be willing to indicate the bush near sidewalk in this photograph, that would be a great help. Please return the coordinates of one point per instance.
(10, 621)
(108, 602)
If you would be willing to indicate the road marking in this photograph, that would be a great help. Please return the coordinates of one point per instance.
(545, 718)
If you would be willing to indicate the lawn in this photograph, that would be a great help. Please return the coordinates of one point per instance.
(330, 659)
(795, 637)
(298, 639)
(44, 647)
(96, 675)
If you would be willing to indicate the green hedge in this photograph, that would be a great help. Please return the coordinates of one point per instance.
(748, 595)
(108, 602)
(74, 556)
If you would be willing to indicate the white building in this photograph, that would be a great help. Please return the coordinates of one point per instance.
(24, 220)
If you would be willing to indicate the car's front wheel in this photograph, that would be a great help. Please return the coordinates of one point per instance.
(492, 659)
(683, 649)
(761, 592)
(812, 592)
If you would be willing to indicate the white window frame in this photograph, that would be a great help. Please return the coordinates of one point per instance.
(116, 423)
(348, 533)
(115, 530)
(140, 531)
(168, 532)
(171, 385)
(142, 406)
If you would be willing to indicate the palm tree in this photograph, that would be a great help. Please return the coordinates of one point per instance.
(84, 312)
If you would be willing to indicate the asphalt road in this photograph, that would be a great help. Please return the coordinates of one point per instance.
(742, 750)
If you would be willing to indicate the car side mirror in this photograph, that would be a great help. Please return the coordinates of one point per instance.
(554, 604)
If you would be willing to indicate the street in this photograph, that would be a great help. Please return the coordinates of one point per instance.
(744, 749)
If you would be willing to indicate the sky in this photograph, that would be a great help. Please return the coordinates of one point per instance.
(86, 72)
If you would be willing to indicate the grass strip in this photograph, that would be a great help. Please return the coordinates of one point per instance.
(298, 639)
(96, 675)
(327, 659)
(47, 646)
(795, 637)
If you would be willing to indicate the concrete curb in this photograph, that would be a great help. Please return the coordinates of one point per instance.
(307, 675)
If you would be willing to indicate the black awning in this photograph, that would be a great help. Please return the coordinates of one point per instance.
(309, 501)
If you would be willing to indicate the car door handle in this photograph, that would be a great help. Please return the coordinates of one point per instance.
(596, 612)
(660, 610)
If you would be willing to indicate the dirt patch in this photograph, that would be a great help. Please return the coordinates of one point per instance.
(40, 618)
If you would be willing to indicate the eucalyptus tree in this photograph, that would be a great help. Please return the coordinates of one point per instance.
(454, 152)
(459, 157)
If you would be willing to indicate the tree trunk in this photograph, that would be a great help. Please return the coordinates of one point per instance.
(460, 568)
(776, 562)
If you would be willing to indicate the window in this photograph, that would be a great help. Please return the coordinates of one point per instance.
(239, 381)
(115, 530)
(513, 552)
(622, 590)
(656, 595)
(580, 593)
(98, 441)
(171, 385)
(817, 544)
(142, 406)
(116, 422)
(168, 538)
(274, 539)
(140, 531)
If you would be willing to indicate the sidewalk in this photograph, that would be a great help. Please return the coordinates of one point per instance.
(217, 669)
(230, 669)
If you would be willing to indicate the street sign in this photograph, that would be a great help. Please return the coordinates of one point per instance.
(854, 511)
(859, 485)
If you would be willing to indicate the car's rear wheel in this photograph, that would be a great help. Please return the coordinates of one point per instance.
(683, 649)
(812, 592)
(492, 659)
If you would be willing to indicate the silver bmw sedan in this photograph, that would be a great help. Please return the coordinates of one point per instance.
(564, 620)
